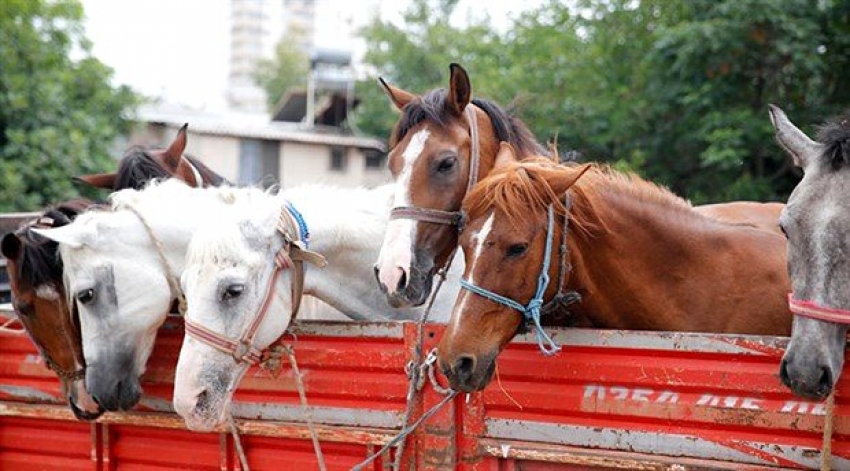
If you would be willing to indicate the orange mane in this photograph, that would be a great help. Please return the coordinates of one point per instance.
(524, 190)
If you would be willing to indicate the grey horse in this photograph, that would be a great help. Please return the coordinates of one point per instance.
(816, 222)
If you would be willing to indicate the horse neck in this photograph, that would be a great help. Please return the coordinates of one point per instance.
(346, 227)
(646, 249)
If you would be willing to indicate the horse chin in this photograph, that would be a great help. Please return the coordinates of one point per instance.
(208, 414)
(82, 404)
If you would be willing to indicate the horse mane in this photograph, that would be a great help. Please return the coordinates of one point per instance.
(40, 262)
(835, 137)
(137, 168)
(432, 107)
(525, 189)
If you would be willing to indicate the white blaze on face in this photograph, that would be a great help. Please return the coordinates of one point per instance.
(397, 251)
(479, 239)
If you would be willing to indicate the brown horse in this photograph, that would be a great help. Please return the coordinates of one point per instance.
(141, 164)
(638, 256)
(432, 160)
(38, 297)
(35, 269)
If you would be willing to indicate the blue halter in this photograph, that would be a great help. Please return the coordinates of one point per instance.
(531, 311)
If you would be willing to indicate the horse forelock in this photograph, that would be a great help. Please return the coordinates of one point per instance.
(835, 138)
(432, 107)
(40, 261)
(137, 168)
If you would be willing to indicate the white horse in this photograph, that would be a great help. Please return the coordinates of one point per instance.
(116, 277)
(230, 264)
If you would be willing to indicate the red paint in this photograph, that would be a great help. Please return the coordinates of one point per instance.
(720, 402)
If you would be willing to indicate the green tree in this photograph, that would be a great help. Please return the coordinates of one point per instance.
(416, 55)
(58, 116)
(290, 67)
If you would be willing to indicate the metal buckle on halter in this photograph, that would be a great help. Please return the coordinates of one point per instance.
(241, 351)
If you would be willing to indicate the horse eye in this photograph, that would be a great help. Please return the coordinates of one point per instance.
(446, 165)
(516, 250)
(232, 291)
(23, 309)
(85, 296)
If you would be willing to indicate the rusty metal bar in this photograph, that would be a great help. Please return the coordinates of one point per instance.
(589, 458)
(263, 428)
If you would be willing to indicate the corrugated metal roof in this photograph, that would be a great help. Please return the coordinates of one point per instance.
(253, 126)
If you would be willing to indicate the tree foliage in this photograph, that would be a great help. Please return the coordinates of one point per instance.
(290, 67)
(58, 116)
(675, 90)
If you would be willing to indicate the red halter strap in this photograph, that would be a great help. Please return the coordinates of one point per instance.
(291, 255)
(813, 310)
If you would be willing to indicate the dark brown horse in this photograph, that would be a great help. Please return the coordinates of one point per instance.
(431, 160)
(35, 268)
(142, 164)
(638, 257)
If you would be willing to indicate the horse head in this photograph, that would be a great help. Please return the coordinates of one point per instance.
(814, 221)
(442, 143)
(35, 275)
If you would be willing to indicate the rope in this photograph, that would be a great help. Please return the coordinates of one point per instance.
(406, 431)
(317, 447)
(237, 441)
(828, 422)
(531, 311)
(173, 284)
(415, 373)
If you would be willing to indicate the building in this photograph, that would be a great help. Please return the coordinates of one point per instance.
(255, 29)
(250, 149)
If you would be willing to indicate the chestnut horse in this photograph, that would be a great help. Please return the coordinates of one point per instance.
(638, 257)
(444, 141)
(35, 268)
(816, 222)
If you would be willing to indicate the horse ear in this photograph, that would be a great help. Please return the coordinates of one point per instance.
(72, 235)
(174, 153)
(506, 155)
(581, 171)
(790, 138)
(399, 97)
(98, 180)
(11, 246)
(460, 90)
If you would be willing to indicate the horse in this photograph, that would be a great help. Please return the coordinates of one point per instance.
(38, 299)
(122, 266)
(635, 257)
(443, 143)
(141, 164)
(35, 268)
(229, 265)
(814, 221)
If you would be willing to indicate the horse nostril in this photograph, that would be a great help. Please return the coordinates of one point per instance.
(464, 366)
(402, 281)
(783, 371)
(825, 379)
(202, 400)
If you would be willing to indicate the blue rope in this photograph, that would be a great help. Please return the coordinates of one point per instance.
(531, 311)
(302, 224)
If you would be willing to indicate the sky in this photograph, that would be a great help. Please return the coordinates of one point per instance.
(178, 50)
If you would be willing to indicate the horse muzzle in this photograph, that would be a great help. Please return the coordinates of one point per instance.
(811, 380)
(469, 373)
(81, 402)
(112, 387)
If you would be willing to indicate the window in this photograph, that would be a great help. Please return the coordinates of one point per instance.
(374, 159)
(338, 160)
(259, 162)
